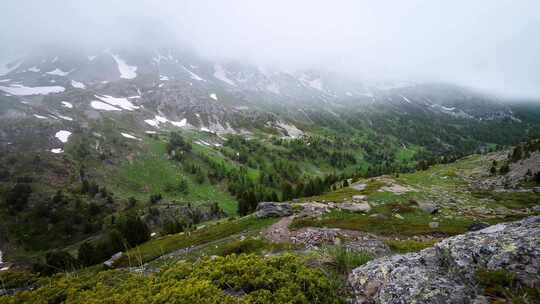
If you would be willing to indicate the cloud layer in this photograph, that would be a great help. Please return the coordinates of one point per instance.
(488, 44)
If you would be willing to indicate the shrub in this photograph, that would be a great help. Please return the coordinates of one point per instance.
(87, 254)
(344, 260)
(133, 230)
(502, 286)
(280, 279)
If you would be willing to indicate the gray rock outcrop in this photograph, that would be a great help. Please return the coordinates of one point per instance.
(446, 273)
(271, 209)
(354, 207)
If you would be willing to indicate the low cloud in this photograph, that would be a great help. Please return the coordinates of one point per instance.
(492, 45)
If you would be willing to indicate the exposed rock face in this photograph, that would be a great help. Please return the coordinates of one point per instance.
(110, 262)
(446, 273)
(271, 209)
(354, 207)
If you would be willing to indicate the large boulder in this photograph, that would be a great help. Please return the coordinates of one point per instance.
(446, 273)
(429, 208)
(271, 209)
(354, 207)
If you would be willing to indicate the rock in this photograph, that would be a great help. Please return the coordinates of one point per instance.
(379, 216)
(536, 190)
(354, 207)
(536, 208)
(359, 187)
(110, 262)
(429, 208)
(373, 246)
(434, 225)
(478, 226)
(315, 209)
(271, 209)
(446, 273)
(359, 198)
(399, 216)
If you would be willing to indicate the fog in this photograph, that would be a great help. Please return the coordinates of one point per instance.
(492, 45)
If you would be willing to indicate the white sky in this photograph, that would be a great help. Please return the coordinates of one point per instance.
(490, 44)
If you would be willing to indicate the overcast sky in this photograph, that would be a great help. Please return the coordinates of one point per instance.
(490, 44)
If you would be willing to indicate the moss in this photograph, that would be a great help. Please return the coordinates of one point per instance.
(404, 246)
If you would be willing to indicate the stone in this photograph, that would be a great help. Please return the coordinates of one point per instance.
(434, 225)
(272, 209)
(429, 208)
(354, 207)
(477, 226)
(379, 216)
(115, 257)
(359, 198)
(446, 272)
(359, 187)
(536, 208)
(399, 216)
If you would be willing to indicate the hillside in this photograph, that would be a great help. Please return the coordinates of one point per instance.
(318, 240)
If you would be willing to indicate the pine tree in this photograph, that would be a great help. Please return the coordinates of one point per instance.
(87, 254)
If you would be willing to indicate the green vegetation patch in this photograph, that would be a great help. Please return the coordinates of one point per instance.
(385, 222)
(502, 286)
(404, 246)
(163, 245)
(230, 279)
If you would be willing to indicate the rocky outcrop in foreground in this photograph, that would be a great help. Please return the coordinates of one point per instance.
(446, 273)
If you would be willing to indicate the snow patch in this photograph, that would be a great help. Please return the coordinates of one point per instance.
(127, 135)
(63, 135)
(182, 123)
(150, 132)
(58, 72)
(7, 67)
(98, 105)
(121, 102)
(39, 116)
(291, 130)
(20, 90)
(163, 78)
(213, 96)
(405, 98)
(221, 74)
(34, 69)
(57, 150)
(67, 104)
(78, 85)
(65, 118)
(193, 75)
(126, 71)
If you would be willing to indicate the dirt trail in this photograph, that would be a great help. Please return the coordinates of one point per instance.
(279, 232)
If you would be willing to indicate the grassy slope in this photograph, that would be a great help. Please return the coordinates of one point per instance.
(444, 184)
(153, 173)
(206, 233)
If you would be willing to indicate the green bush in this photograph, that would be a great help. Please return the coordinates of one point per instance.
(344, 260)
(280, 279)
(16, 279)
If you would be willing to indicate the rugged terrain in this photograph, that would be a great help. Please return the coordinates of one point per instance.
(157, 162)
